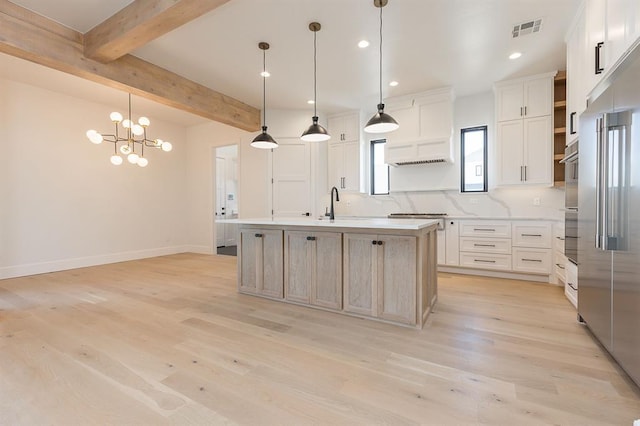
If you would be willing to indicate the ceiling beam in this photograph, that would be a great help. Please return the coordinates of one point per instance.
(139, 23)
(29, 36)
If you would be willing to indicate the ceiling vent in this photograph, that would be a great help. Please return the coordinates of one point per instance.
(528, 27)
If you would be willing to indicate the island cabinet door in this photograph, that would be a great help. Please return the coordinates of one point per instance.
(326, 285)
(360, 263)
(396, 278)
(261, 269)
(298, 257)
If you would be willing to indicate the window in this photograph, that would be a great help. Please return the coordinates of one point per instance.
(379, 170)
(473, 159)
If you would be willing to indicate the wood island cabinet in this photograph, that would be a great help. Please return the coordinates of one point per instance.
(261, 271)
(313, 268)
(380, 276)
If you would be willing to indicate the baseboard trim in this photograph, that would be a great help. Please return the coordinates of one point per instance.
(83, 262)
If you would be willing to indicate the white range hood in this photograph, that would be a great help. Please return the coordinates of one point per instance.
(425, 135)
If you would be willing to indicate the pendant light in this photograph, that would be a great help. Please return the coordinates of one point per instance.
(315, 132)
(381, 122)
(264, 140)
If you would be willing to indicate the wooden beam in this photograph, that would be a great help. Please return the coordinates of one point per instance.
(139, 23)
(27, 35)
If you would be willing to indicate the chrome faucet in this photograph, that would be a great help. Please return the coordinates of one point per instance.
(332, 216)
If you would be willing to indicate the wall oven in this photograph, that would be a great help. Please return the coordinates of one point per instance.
(570, 161)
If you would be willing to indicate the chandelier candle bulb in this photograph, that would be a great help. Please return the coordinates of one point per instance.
(116, 160)
(144, 121)
(142, 162)
(116, 117)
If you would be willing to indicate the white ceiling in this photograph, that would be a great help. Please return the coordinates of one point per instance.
(427, 44)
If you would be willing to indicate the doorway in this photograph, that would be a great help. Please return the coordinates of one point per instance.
(226, 199)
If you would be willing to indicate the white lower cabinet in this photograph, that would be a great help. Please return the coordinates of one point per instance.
(532, 260)
(531, 247)
(380, 276)
(313, 268)
(481, 260)
(260, 269)
(559, 260)
(571, 285)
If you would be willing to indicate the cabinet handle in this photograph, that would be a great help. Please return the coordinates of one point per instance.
(484, 229)
(380, 242)
(484, 261)
(374, 242)
(560, 238)
(484, 245)
(599, 47)
(258, 235)
(531, 235)
(572, 286)
(531, 260)
(521, 179)
(560, 265)
(521, 112)
(525, 111)
(572, 130)
(311, 238)
(525, 173)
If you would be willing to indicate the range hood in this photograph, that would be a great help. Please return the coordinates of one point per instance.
(425, 135)
(426, 151)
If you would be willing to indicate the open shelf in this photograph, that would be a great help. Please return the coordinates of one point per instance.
(559, 126)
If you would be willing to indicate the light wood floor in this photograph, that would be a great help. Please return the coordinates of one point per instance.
(169, 341)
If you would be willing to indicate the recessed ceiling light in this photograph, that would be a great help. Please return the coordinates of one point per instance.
(265, 74)
(311, 102)
(393, 83)
(515, 55)
(363, 43)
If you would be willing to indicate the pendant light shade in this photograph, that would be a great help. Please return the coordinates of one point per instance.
(264, 140)
(315, 132)
(381, 122)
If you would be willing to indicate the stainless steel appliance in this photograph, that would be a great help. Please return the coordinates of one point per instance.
(609, 215)
(571, 164)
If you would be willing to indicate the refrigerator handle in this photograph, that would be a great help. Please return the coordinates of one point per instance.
(599, 177)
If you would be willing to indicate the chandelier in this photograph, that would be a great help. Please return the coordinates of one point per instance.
(132, 143)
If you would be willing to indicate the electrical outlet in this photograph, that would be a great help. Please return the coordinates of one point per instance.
(536, 201)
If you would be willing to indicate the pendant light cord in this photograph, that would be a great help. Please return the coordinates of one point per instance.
(264, 87)
(315, 92)
(380, 54)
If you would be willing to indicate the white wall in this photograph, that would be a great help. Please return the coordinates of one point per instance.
(63, 204)
(470, 111)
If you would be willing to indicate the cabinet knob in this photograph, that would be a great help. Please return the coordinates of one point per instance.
(380, 242)
(258, 235)
(374, 242)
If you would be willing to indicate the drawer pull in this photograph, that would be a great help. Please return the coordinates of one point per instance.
(311, 238)
(572, 286)
(531, 260)
(532, 235)
(484, 261)
(484, 229)
(483, 245)
(258, 235)
(560, 266)
(560, 238)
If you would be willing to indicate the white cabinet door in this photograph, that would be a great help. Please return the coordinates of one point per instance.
(538, 154)
(576, 75)
(511, 152)
(595, 28)
(351, 170)
(510, 102)
(442, 246)
(351, 127)
(538, 97)
(335, 164)
(452, 233)
(344, 152)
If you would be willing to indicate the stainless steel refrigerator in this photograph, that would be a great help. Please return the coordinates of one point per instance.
(609, 215)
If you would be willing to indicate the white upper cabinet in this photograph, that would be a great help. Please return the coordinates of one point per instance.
(344, 160)
(612, 27)
(524, 130)
(523, 99)
(576, 65)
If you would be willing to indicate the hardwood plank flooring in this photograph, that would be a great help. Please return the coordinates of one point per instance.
(168, 340)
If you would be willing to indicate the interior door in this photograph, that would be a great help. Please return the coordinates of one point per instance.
(291, 171)
(220, 201)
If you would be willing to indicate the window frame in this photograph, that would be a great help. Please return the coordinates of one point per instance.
(373, 143)
(485, 158)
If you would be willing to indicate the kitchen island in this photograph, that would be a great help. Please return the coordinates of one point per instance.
(382, 269)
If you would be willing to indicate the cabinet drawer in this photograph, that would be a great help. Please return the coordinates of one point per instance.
(537, 261)
(531, 235)
(558, 244)
(560, 271)
(500, 262)
(485, 229)
(486, 245)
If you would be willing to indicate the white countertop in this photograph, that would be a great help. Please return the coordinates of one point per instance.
(347, 222)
